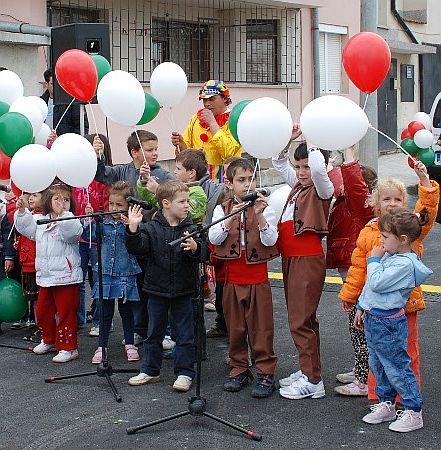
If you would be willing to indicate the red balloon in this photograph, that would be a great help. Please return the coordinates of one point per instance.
(366, 59)
(77, 74)
(405, 134)
(410, 161)
(5, 162)
(16, 190)
(415, 126)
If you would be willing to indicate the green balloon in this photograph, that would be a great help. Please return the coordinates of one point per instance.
(151, 109)
(102, 65)
(409, 145)
(426, 156)
(15, 132)
(234, 117)
(12, 302)
(4, 108)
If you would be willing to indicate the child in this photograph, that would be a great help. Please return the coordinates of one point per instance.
(26, 257)
(58, 268)
(119, 273)
(246, 242)
(170, 280)
(302, 225)
(392, 272)
(389, 194)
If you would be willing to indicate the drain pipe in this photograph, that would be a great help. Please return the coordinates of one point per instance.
(25, 28)
(316, 51)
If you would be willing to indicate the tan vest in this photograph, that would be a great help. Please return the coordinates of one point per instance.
(310, 212)
(255, 251)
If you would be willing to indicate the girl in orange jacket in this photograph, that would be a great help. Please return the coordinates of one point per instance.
(389, 194)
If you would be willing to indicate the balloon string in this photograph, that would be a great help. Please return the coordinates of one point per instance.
(365, 101)
(94, 120)
(395, 142)
(62, 117)
(260, 173)
(171, 119)
(253, 177)
(140, 145)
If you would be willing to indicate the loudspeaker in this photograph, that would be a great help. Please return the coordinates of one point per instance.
(90, 37)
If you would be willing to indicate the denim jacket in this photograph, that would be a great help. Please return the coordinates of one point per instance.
(116, 260)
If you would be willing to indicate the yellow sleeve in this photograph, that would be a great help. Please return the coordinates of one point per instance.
(427, 198)
(188, 133)
(225, 144)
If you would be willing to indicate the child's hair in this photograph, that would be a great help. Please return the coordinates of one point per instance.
(55, 188)
(121, 188)
(385, 185)
(400, 221)
(370, 177)
(168, 190)
(229, 160)
(107, 149)
(301, 152)
(144, 136)
(193, 159)
(239, 163)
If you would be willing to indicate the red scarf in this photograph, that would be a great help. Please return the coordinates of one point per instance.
(221, 119)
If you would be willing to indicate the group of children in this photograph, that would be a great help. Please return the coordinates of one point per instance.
(381, 291)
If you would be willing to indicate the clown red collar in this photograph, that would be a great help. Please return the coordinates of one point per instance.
(221, 119)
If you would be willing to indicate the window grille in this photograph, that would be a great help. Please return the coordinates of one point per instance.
(236, 41)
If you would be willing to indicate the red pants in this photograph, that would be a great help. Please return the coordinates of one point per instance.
(57, 315)
(413, 350)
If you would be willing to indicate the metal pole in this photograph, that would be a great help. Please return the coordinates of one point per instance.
(316, 50)
(25, 28)
(369, 144)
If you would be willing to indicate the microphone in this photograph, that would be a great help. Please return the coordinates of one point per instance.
(252, 196)
(143, 204)
(5, 188)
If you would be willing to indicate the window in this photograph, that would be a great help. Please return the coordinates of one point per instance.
(330, 63)
(65, 15)
(261, 51)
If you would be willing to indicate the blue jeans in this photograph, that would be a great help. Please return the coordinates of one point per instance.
(182, 319)
(390, 362)
(126, 313)
(87, 254)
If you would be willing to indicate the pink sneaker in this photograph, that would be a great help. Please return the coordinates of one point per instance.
(132, 353)
(98, 356)
(354, 389)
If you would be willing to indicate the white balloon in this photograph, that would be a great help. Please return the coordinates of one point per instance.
(75, 159)
(423, 138)
(277, 200)
(33, 168)
(121, 97)
(424, 118)
(168, 84)
(11, 87)
(333, 122)
(30, 109)
(41, 104)
(42, 135)
(264, 127)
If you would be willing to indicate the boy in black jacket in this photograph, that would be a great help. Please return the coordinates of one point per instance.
(170, 281)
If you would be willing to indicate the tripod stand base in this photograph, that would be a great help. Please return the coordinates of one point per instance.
(27, 349)
(196, 407)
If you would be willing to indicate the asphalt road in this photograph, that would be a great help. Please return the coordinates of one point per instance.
(82, 413)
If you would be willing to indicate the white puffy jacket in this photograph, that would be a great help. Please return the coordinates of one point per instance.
(58, 259)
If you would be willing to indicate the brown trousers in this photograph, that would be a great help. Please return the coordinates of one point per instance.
(248, 310)
(303, 279)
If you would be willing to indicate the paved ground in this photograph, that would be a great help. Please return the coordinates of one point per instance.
(81, 413)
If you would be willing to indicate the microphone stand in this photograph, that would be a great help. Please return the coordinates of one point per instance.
(197, 404)
(104, 369)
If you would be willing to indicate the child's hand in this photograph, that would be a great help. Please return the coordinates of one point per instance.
(134, 217)
(260, 204)
(9, 265)
(189, 244)
(358, 320)
(152, 185)
(52, 136)
(346, 306)
(378, 251)
(421, 172)
(144, 171)
(57, 205)
(296, 131)
(21, 204)
(88, 209)
(229, 222)
(98, 146)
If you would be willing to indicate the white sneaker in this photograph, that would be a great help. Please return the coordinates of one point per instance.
(302, 388)
(182, 383)
(94, 331)
(348, 377)
(354, 389)
(65, 356)
(138, 340)
(43, 348)
(142, 378)
(284, 382)
(168, 344)
(381, 412)
(407, 420)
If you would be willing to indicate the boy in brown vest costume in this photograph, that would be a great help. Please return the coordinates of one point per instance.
(301, 227)
(246, 242)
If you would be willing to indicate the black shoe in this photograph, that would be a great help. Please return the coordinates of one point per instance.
(216, 331)
(235, 384)
(264, 386)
